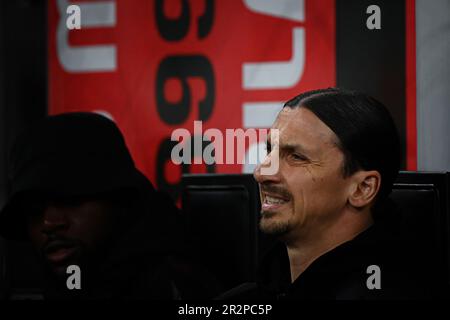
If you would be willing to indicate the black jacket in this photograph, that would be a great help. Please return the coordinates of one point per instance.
(148, 261)
(342, 273)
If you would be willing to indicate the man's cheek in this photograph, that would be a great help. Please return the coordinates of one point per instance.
(37, 239)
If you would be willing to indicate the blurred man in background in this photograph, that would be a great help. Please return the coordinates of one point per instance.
(77, 196)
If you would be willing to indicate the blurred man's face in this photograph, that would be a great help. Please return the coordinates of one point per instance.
(308, 192)
(67, 232)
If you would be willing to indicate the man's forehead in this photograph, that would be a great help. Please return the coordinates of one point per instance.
(285, 114)
(298, 124)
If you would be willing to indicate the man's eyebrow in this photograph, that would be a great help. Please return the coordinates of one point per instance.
(294, 148)
(290, 147)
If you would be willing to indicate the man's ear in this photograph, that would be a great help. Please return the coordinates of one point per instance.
(365, 187)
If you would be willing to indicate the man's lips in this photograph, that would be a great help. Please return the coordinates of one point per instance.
(58, 251)
(272, 201)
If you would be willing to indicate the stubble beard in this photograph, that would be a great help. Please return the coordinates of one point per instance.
(271, 226)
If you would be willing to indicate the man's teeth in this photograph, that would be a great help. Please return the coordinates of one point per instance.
(272, 200)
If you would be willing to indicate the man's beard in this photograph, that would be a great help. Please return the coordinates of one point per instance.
(59, 272)
(267, 223)
(271, 226)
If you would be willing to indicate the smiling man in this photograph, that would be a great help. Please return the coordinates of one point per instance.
(339, 155)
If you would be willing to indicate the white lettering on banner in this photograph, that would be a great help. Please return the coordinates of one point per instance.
(260, 114)
(92, 58)
(273, 74)
(74, 19)
(286, 9)
(277, 74)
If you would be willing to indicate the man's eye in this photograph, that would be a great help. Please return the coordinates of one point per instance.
(297, 157)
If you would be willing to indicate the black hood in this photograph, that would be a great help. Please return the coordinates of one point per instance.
(72, 154)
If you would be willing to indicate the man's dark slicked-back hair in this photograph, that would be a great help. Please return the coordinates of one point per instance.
(365, 129)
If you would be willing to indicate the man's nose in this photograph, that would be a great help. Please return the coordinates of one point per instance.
(54, 219)
(262, 176)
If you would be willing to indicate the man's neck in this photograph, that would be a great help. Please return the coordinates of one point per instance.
(305, 250)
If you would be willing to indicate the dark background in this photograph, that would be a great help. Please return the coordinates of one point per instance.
(374, 61)
(23, 99)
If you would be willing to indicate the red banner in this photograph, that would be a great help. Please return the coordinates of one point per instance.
(154, 66)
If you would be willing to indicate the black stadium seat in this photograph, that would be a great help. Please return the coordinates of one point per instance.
(222, 216)
(423, 198)
(3, 280)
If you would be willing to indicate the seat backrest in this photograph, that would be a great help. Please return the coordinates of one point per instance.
(419, 228)
(423, 199)
(3, 278)
(222, 222)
